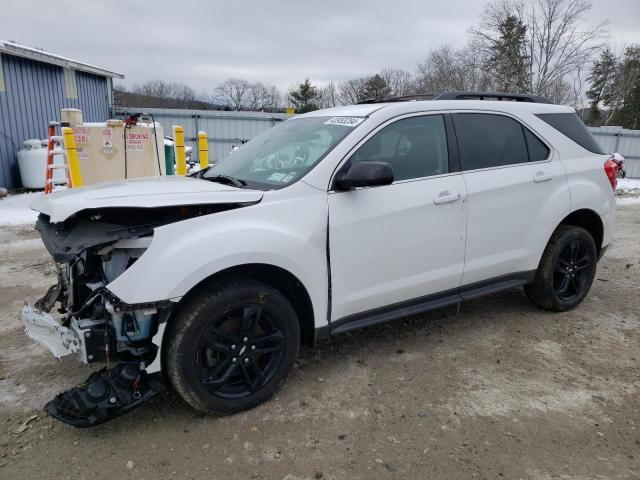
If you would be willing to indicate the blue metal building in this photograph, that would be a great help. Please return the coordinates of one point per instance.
(34, 87)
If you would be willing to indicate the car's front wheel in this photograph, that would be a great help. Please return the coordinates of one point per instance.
(566, 270)
(232, 345)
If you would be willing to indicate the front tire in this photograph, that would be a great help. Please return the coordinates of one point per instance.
(232, 346)
(566, 270)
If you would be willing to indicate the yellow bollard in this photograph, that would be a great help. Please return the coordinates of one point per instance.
(72, 157)
(203, 147)
(181, 159)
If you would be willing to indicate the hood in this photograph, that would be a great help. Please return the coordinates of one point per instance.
(141, 193)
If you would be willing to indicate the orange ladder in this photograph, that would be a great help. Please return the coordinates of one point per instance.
(51, 152)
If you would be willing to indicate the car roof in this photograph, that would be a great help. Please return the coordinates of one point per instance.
(359, 110)
(399, 108)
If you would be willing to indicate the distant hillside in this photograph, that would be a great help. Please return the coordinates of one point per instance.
(137, 100)
(130, 99)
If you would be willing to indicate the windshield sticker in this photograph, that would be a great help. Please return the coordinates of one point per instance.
(345, 121)
(287, 178)
(276, 177)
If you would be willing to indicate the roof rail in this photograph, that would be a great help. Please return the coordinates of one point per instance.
(513, 97)
(402, 98)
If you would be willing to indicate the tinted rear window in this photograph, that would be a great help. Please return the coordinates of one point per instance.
(488, 140)
(571, 126)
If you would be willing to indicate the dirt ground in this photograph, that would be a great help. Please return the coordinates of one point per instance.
(498, 389)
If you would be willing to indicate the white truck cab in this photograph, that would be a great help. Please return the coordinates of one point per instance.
(334, 220)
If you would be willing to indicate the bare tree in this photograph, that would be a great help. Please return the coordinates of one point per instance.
(351, 91)
(577, 83)
(390, 83)
(562, 92)
(166, 90)
(399, 81)
(234, 92)
(558, 42)
(445, 69)
(239, 94)
(256, 97)
(153, 88)
(328, 96)
(273, 99)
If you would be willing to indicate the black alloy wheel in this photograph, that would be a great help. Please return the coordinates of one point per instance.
(240, 351)
(231, 345)
(566, 270)
(572, 269)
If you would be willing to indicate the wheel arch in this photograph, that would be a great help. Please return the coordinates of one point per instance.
(277, 277)
(590, 221)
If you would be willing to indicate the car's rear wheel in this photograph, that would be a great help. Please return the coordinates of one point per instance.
(231, 346)
(566, 271)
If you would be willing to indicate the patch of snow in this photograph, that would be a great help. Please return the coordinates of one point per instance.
(628, 185)
(628, 200)
(14, 209)
(628, 191)
(22, 245)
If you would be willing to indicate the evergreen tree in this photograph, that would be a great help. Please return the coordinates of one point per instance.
(627, 88)
(376, 88)
(304, 98)
(508, 55)
(602, 79)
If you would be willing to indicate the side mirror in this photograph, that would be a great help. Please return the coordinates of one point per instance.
(365, 174)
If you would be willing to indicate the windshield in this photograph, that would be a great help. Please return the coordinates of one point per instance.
(284, 154)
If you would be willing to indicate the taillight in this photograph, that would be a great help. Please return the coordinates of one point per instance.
(612, 167)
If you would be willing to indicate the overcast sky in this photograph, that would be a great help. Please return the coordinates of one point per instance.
(277, 42)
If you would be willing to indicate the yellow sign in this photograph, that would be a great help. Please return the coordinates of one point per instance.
(291, 110)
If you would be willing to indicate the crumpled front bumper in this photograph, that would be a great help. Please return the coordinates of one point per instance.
(106, 394)
(44, 329)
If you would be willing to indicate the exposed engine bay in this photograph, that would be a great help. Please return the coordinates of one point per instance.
(91, 249)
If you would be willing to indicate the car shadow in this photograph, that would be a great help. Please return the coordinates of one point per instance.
(386, 340)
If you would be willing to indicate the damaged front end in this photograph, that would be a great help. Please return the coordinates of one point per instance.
(80, 315)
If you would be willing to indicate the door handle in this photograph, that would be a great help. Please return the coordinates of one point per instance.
(446, 197)
(542, 177)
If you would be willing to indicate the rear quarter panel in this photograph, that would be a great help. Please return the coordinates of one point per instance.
(588, 184)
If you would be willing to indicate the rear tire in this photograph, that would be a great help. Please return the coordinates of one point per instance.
(566, 270)
(232, 346)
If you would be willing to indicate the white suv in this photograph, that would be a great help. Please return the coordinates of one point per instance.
(332, 221)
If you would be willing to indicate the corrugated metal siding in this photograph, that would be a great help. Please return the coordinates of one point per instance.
(623, 141)
(34, 94)
(222, 127)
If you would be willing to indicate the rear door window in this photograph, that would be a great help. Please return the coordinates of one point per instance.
(537, 150)
(489, 140)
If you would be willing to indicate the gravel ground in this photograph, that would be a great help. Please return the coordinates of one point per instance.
(497, 389)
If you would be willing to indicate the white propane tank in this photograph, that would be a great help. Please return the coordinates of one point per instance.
(32, 162)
